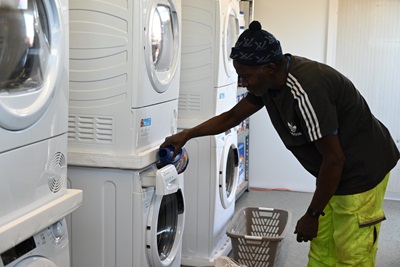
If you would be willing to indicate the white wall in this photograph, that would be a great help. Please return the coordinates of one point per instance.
(301, 27)
(361, 41)
(367, 51)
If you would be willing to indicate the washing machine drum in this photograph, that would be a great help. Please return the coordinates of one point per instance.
(28, 61)
(24, 32)
(228, 172)
(163, 41)
(231, 33)
(36, 262)
(165, 228)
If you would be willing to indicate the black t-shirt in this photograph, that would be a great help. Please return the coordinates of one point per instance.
(318, 101)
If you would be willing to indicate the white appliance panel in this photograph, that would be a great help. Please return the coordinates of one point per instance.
(129, 55)
(122, 210)
(196, 106)
(209, 30)
(30, 223)
(34, 89)
(48, 248)
(128, 139)
(119, 71)
(32, 176)
(203, 242)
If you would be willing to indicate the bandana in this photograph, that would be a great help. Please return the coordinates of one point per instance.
(256, 46)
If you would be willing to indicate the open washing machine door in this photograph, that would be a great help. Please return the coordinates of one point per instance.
(162, 43)
(228, 173)
(164, 229)
(30, 43)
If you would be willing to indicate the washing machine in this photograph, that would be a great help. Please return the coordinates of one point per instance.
(208, 85)
(33, 104)
(129, 218)
(48, 248)
(39, 238)
(17, 231)
(124, 80)
(210, 186)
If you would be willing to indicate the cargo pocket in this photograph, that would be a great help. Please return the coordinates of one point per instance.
(365, 220)
(369, 227)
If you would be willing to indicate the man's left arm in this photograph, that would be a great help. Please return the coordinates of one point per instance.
(333, 160)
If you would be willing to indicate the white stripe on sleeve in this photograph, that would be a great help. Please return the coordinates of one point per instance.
(306, 108)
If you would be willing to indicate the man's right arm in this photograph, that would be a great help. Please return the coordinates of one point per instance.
(214, 125)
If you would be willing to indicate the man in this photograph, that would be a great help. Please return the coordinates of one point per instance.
(327, 125)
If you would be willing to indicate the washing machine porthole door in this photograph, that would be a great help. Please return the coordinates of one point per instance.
(161, 33)
(231, 33)
(162, 45)
(36, 262)
(164, 231)
(30, 40)
(228, 173)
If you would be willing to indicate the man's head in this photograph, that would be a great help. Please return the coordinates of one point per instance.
(257, 58)
(256, 47)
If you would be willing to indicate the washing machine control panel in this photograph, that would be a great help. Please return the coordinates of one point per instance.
(45, 243)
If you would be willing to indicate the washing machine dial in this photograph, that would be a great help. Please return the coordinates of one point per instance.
(58, 230)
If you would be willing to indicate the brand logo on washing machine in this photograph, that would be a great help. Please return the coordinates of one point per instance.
(168, 176)
(170, 180)
(145, 122)
(145, 127)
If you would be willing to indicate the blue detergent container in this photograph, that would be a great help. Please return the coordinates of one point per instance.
(180, 161)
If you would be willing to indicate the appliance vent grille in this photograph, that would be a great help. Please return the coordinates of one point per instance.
(189, 102)
(91, 129)
(55, 177)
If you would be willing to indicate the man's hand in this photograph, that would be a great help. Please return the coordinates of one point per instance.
(306, 228)
(177, 141)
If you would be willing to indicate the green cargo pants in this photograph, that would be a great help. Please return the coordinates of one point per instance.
(348, 233)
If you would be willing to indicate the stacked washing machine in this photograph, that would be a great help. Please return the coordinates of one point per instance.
(208, 87)
(33, 134)
(124, 89)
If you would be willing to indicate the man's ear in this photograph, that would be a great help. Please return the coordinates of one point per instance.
(270, 67)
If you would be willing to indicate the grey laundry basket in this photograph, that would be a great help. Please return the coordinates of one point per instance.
(256, 234)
